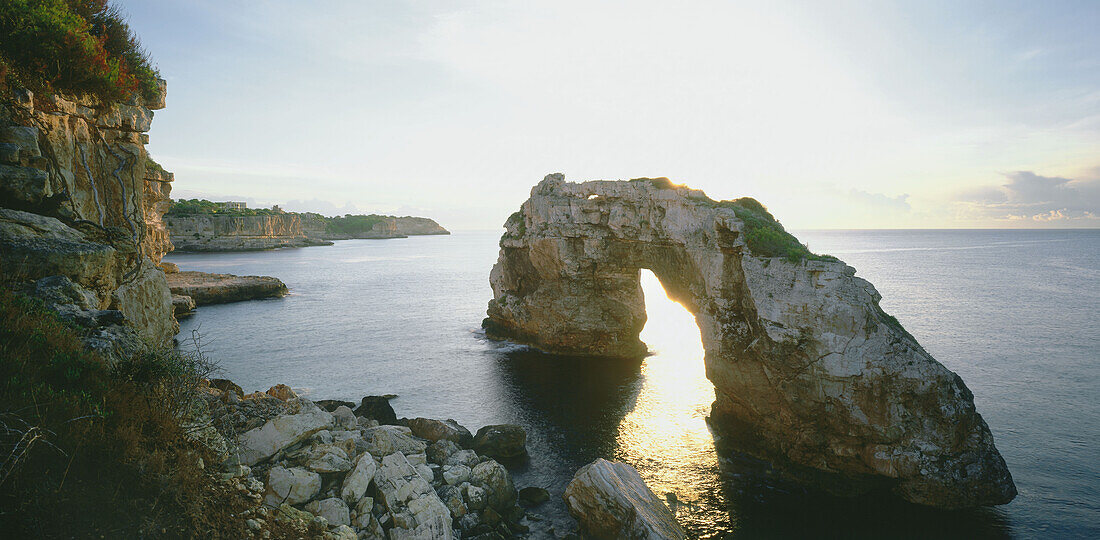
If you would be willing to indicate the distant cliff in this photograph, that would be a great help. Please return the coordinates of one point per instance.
(413, 226)
(265, 229)
(211, 232)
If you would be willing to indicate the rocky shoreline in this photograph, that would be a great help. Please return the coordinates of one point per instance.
(205, 288)
(328, 470)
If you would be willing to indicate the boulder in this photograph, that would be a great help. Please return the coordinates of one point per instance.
(377, 408)
(360, 477)
(434, 430)
(332, 509)
(440, 450)
(282, 392)
(182, 306)
(416, 509)
(494, 478)
(327, 459)
(454, 475)
(610, 500)
(344, 418)
(501, 441)
(226, 385)
(385, 440)
(463, 457)
(261, 443)
(292, 486)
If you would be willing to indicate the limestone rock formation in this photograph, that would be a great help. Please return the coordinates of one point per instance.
(210, 232)
(204, 288)
(78, 200)
(610, 500)
(416, 226)
(805, 364)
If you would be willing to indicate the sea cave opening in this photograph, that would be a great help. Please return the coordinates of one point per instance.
(665, 436)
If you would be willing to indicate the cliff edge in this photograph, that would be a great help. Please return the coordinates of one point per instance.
(80, 212)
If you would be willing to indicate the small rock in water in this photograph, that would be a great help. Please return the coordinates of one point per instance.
(533, 496)
(501, 441)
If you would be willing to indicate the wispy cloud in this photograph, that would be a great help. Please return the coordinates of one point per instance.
(880, 200)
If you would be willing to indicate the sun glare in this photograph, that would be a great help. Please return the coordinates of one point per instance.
(665, 436)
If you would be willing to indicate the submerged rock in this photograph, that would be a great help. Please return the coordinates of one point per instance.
(804, 361)
(610, 501)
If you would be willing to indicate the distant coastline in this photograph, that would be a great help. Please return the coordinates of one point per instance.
(207, 226)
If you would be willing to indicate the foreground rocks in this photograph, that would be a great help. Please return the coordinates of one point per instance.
(610, 501)
(339, 474)
(205, 288)
(805, 363)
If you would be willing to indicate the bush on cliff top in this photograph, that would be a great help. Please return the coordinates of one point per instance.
(73, 46)
(352, 224)
(190, 207)
(90, 449)
(765, 236)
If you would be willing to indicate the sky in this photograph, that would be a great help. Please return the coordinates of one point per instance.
(833, 114)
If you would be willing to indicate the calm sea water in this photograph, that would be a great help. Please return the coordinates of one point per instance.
(1015, 313)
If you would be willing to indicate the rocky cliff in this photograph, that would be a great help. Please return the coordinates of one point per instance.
(211, 232)
(809, 372)
(217, 232)
(416, 226)
(79, 212)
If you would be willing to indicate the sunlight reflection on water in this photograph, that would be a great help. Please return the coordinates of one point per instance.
(665, 436)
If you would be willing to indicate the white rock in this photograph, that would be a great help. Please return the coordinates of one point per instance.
(259, 444)
(292, 486)
(610, 500)
(357, 481)
(385, 440)
(456, 474)
(416, 509)
(332, 509)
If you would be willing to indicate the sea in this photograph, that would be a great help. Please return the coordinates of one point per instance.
(1016, 313)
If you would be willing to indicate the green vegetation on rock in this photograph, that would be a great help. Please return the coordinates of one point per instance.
(73, 46)
(352, 225)
(765, 236)
(191, 207)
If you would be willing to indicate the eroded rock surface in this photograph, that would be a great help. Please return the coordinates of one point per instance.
(804, 361)
(79, 200)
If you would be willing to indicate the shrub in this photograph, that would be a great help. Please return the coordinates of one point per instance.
(352, 224)
(765, 236)
(91, 449)
(73, 46)
(190, 207)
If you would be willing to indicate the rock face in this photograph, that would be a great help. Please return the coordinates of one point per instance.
(238, 233)
(610, 500)
(415, 226)
(204, 288)
(805, 364)
(78, 200)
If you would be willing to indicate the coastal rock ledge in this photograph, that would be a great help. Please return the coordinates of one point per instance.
(809, 372)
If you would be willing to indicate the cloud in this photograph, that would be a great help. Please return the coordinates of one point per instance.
(1028, 196)
(879, 200)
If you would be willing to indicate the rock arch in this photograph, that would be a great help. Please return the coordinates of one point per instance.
(803, 360)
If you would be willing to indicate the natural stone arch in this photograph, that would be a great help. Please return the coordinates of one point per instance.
(801, 356)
